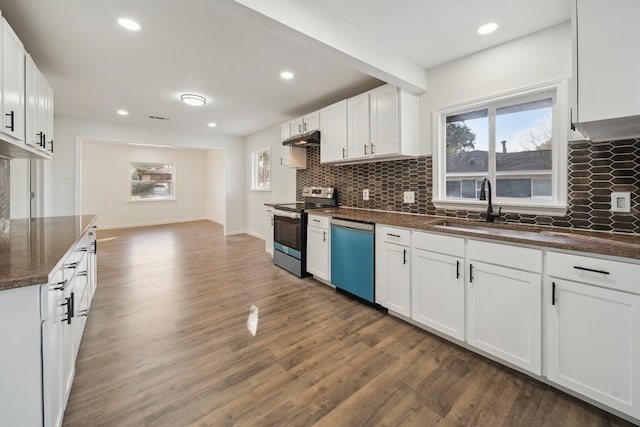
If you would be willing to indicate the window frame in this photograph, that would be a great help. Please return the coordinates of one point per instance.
(254, 171)
(172, 197)
(557, 205)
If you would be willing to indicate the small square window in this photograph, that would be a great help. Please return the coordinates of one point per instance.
(151, 181)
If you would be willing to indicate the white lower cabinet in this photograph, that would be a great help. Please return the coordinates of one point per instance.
(268, 238)
(593, 343)
(393, 269)
(504, 306)
(318, 247)
(437, 283)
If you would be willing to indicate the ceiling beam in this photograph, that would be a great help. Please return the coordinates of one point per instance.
(325, 33)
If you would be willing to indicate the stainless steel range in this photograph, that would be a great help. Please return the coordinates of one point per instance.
(290, 228)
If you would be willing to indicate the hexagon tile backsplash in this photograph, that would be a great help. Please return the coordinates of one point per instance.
(595, 170)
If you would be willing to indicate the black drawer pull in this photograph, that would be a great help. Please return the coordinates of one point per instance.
(393, 235)
(470, 273)
(457, 269)
(404, 256)
(11, 115)
(553, 293)
(590, 269)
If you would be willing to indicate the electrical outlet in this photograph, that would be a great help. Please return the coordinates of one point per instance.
(409, 196)
(365, 194)
(621, 202)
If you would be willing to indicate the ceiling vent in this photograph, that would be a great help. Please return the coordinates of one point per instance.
(158, 118)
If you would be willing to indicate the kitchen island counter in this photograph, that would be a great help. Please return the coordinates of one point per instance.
(33, 248)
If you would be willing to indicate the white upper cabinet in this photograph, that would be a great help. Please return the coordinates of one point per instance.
(26, 105)
(333, 132)
(606, 68)
(39, 111)
(305, 124)
(12, 83)
(358, 127)
(292, 157)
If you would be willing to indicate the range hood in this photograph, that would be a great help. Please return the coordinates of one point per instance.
(304, 140)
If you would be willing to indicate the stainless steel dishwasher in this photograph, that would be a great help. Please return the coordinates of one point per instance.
(352, 257)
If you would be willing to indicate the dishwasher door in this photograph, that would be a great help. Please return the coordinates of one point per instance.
(352, 255)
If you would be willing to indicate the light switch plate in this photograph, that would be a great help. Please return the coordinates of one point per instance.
(621, 202)
(409, 197)
(365, 194)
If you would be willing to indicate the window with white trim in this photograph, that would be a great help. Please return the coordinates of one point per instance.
(517, 141)
(152, 181)
(261, 170)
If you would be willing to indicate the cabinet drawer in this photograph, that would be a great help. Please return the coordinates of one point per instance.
(503, 254)
(582, 268)
(438, 243)
(319, 221)
(399, 236)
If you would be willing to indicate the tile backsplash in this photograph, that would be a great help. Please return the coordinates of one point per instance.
(595, 170)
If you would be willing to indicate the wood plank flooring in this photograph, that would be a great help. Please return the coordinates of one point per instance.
(166, 344)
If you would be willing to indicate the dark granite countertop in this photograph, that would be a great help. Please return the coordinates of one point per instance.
(32, 248)
(595, 242)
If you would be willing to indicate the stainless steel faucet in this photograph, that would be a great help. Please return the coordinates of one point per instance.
(483, 196)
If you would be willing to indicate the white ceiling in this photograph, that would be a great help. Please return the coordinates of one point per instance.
(233, 57)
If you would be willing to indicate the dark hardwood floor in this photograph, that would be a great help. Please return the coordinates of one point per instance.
(167, 344)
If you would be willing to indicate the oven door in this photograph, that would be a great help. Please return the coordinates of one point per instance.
(287, 232)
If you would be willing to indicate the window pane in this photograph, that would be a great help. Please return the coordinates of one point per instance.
(261, 170)
(467, 146)
(151, 181)
(523, 145)
(541, 188)
(453, 188)
(513, 188)
(469, 189)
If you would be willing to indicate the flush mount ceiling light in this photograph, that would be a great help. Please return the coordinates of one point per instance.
(212, 125)
(487, 28)
(191, 99)
(123, 112)
(129, 24)
(287, 75)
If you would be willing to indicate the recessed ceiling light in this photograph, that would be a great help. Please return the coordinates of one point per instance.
(212, 125)
(487, 28)
(129, 24)
(123, 112)
(287, 75)
(191, 99)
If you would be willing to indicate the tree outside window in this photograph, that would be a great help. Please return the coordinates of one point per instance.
(151, 181)
(261, 170)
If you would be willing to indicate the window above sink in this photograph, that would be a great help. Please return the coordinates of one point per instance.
(518, 140)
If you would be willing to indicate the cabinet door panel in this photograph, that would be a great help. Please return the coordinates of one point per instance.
(358, 138)
(318, 252)
(13, 83)
(396, 276)
(504, 308)
(593, 344)
(437, 292)
(333, 132)
(385, 121)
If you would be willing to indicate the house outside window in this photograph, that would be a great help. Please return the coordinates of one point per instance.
(517, 141)
(261, 170)
(151, 181)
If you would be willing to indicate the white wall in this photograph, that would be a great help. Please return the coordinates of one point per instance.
(19, 191)
(105, 185)
(283, 180)
(61, 171)
(531, 60)
(215, 186)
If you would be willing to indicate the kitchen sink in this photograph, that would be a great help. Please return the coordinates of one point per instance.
(495, 230)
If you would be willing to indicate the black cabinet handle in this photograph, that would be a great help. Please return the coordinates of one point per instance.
(40, 136)
(393, 235)
(553, 293)
(373, 146)
(316, 220)
(60, 286)
(365, 149)
(470, 273)
(457, 269)
(11, 127)
(344, 153)
(72, 307)
(324, 236)
(404, 256)
(69, 311)
(51, 142)
(590, 269)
